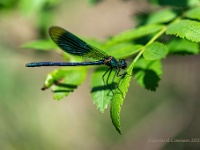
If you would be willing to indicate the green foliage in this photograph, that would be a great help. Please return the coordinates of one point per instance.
(40, 45)
(124, 49)
(182, 47)
(35, 7)
(134, 34)
(161, 16)
(155, 51)
(7, 3)
(119, 96)
(185, 29)
(166, 32)
(101, 94)
(64, 80)
(148, 73)
(193, 13)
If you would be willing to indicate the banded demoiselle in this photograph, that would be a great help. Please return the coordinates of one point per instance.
(75, 46)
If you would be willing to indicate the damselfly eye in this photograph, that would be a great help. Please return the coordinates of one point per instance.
(123, 64)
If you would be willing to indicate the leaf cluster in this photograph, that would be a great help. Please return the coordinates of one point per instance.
(164, 32)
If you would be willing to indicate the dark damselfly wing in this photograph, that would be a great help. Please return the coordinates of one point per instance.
(74, 45)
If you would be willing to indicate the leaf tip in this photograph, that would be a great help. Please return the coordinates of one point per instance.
(117, 127)
(119, 131)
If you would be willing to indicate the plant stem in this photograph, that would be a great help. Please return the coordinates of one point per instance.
(150, 42)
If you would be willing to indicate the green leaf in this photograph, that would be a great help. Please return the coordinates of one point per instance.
(134, 34)
(101, 93)
(118, 98)
(185, 29)
(155, 51)
(161, 16)
(148, 73)
(124, 50)
(64, 80)
(183, 46)
(40, 45)
(193, 13)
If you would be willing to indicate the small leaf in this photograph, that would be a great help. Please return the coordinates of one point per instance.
(185, 29)
(49, 81)
(40, 45)
(118, 98)
(64, 80)
(101, 93)
(134, 34)
(155, 51)
(148, 73)
(123, 50)
(193, 13)
(161, 16)
(183, 46)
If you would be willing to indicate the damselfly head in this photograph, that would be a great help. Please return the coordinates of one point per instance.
(123, 63)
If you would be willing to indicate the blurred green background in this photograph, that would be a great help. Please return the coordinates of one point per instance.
(31, 119)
